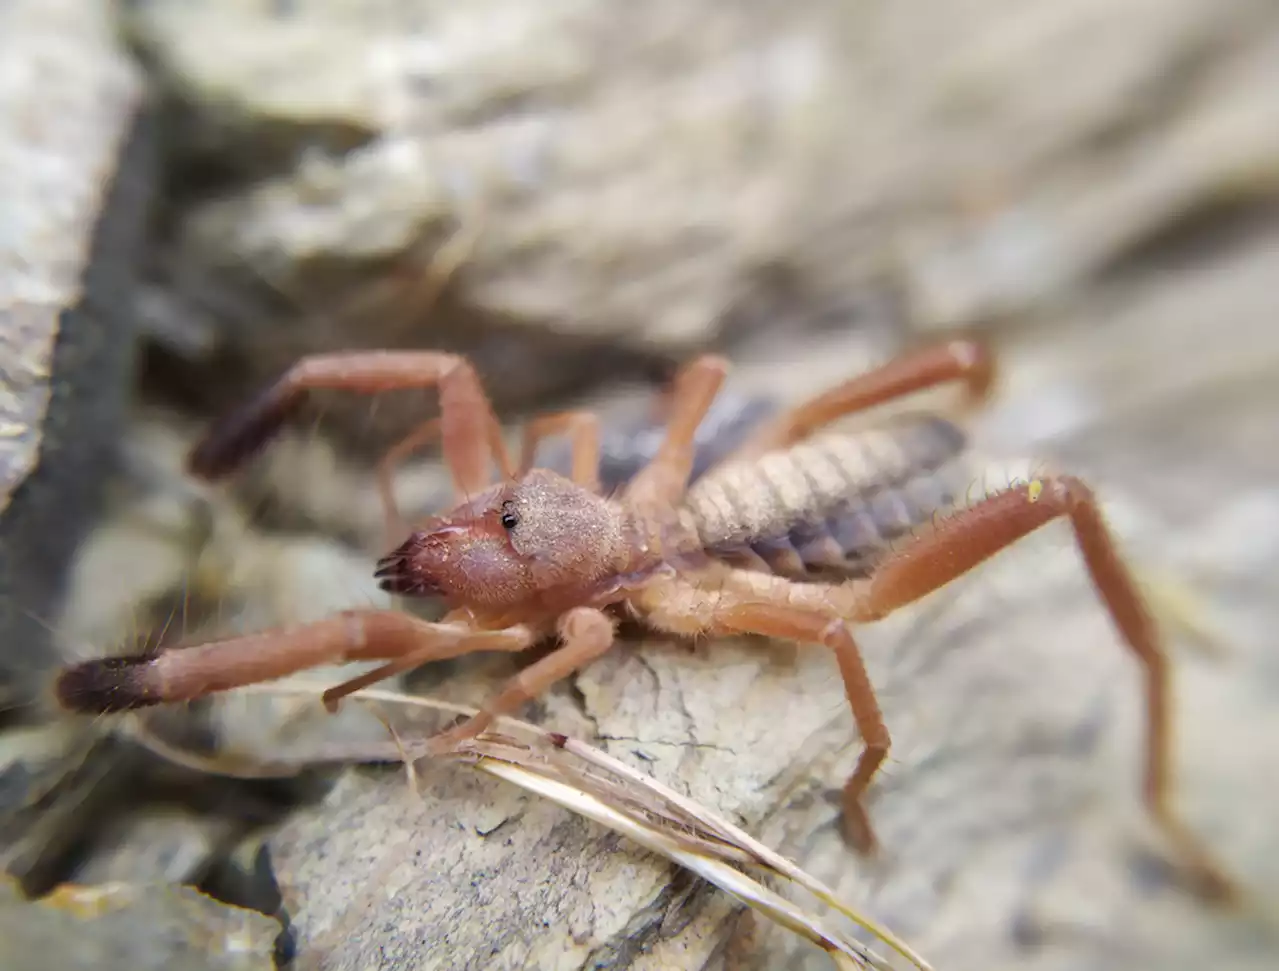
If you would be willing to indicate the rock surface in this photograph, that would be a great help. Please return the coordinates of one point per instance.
(74, 173)
(118, 927)
(538, 186)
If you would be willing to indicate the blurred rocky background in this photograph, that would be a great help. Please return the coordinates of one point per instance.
(579, 196)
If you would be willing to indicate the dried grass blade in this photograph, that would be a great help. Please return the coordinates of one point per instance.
(724, 876)
(736, 836)
(618, 796)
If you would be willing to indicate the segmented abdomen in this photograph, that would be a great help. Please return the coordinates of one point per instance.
(831, 504)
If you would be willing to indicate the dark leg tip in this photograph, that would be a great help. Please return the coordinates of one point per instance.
(242, 434)
(105, 686)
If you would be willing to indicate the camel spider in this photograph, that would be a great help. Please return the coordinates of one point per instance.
(789, 537)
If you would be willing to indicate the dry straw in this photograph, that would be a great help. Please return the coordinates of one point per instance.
(597, 786)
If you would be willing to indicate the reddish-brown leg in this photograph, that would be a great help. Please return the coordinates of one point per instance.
(512, 639)
(185, 673)
(583, 429)
(585, 634)
(422, 436)
(811, 626)
(469, 429)
(959, 360)
(662, 482)
(959, 543)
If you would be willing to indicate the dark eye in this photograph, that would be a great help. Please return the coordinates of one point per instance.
(510, 520)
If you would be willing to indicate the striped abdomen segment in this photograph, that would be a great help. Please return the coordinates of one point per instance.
(831, 504)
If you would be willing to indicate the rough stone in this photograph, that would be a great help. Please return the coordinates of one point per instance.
(601, 176)
(155, 846)
(74, 172)
(121, 927)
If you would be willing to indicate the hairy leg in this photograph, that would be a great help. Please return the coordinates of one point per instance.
(739, 601)
(469, 428)
(185, 673)
(960, 542)
(583, 428)
(422, 436)
(518, 638)
(798, 624)
(662, 482)
(585, 634)
(926, 367)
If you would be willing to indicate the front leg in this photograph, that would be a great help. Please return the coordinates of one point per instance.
(469, 430)
(748, 602)
(185, 673)
(585, 634)
(814, 627)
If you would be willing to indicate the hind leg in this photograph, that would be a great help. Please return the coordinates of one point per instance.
(928, 561)
(960, 542)
(959, 360)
